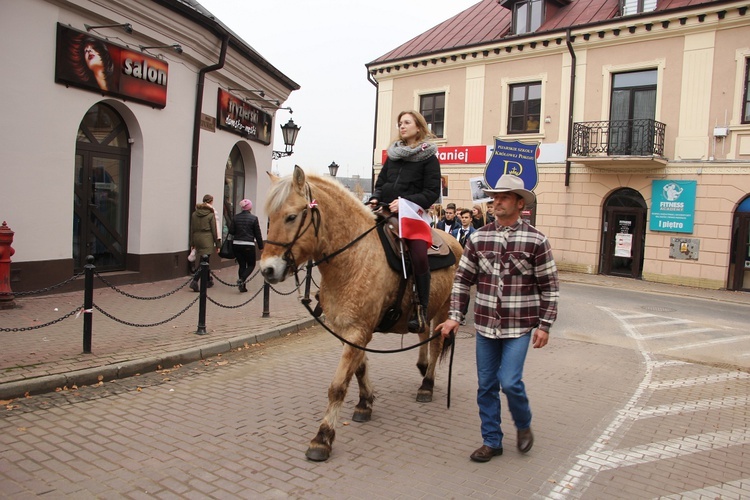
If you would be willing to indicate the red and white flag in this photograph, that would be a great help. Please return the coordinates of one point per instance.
(413, 221)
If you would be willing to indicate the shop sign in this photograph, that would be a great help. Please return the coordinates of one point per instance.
(455, 155)
(236, 115)
(90, 63)
(672, 206)
(515, 158)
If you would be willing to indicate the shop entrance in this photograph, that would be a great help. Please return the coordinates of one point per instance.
(100, 200)
(623, 234)
(739, 266)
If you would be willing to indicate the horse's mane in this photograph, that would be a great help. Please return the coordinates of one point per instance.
(281, 189)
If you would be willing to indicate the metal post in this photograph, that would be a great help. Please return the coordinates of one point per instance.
(202, 301)
(88, 302)
(266, 299)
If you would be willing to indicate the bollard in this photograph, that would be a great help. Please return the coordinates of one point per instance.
(6, 252)
(266, 299)
(88, 302)
(202, 300)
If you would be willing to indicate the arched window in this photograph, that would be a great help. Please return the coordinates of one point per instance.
(234, 187)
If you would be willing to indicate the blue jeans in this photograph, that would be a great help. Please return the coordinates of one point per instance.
(500, 366)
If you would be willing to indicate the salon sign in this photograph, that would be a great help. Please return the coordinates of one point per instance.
(88, 62)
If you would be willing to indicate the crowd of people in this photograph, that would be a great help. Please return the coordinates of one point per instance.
(461, 222)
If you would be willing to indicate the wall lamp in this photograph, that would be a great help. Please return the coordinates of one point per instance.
(333, 169)
(175, 46)
(259, 92)
(125, 26)
(289, 131)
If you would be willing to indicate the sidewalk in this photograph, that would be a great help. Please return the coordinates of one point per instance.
(51, 358)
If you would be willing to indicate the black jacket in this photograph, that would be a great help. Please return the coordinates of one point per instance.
(416, 181)
(245, 227)
(443, 224)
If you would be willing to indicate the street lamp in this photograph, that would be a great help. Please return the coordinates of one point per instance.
(333, 169)
(289, 131)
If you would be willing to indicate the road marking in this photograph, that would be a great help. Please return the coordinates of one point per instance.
(688, 406)
(707, 379)
(694, 345)
(677, 333)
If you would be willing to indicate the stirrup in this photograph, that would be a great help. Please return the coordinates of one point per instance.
(417, 321)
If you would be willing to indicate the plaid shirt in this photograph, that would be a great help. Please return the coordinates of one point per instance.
(516, 278)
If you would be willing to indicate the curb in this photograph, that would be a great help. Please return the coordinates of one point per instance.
(91, 376)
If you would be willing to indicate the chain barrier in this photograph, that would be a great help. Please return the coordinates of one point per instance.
(146, 325)
(233, 285)
(130, 295)
(43, 290)
(286, 293)
(238, 305)
(36, 327)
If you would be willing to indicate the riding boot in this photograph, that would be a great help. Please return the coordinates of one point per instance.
(418, 320)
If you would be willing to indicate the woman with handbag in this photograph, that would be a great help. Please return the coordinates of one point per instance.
(245, 230)
(203, 236)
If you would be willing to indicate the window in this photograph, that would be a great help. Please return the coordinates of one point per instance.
(630, 7)
(746, 98)
(632, 112)
(528, 16)
(432, 107)
(525, 108)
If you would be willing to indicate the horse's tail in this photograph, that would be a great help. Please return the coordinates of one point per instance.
(447, 346)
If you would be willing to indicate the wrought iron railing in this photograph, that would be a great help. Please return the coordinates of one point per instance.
(619, 138)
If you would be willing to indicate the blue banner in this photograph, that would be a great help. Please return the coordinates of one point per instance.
(672, 206)
(513, 157)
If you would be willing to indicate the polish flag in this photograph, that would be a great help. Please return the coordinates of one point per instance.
(413, 221)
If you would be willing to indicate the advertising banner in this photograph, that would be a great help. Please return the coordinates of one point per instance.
(513, 157)
(236, 115)
(672, 206)
(455, 155)
(90, 63)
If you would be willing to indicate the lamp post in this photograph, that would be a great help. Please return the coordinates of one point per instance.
(333, 169)
(289, 132)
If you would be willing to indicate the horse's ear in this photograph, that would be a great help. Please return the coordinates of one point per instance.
(298, 179)
(273, 177)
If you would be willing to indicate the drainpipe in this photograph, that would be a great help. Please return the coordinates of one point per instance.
(569, 43)
(374, 132)
(197, 122)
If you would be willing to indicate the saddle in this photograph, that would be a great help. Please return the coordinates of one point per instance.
(439, 254)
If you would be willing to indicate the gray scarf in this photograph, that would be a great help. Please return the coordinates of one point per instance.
(400, 151)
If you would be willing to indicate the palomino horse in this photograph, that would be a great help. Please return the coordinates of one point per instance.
(312, 217)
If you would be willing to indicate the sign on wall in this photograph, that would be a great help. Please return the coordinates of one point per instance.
(90, 63)
(239, 117)
(672, 206)
(455, 155)
(515, 158)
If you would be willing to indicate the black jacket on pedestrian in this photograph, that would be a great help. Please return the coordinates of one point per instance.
(448, 227)
(416, 181)
(245, 227)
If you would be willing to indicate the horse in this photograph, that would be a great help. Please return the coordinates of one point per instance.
(312, 217)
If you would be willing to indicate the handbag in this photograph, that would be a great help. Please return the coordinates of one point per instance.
(226, 251)
(191, 255)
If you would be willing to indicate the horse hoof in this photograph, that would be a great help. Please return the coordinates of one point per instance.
(318, 453)
(362, 415)
(424, 397)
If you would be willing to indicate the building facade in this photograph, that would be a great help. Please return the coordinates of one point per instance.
(641, 113)
(118, 117)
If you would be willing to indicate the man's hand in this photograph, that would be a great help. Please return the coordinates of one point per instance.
(539, 339)
(448, 327)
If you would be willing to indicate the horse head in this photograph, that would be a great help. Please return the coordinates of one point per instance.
(294, 223)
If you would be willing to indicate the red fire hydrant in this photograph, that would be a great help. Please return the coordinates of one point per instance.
(6, 252)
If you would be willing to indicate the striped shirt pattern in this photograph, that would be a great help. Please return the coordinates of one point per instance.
(516, 279)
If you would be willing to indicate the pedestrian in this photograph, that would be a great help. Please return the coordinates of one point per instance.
(245, 230)
(412, 171)
(477, 216)
(490, 213)
(449, 222)
(511, 264)
(204, 236)
(465, 230)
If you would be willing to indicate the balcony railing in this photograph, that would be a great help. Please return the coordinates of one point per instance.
(619, 138)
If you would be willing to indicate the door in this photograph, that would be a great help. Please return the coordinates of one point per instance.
(632, 114)
(739, 267)
(623, 234)
(100, 191)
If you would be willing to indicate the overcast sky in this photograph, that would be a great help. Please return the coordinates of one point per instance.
(323, 45)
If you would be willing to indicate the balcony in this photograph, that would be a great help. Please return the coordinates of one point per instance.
(639, 143)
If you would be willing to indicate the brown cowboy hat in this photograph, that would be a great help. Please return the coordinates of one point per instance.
(509, 183)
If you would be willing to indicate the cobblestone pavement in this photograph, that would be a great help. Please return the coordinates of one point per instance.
(610, 421)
